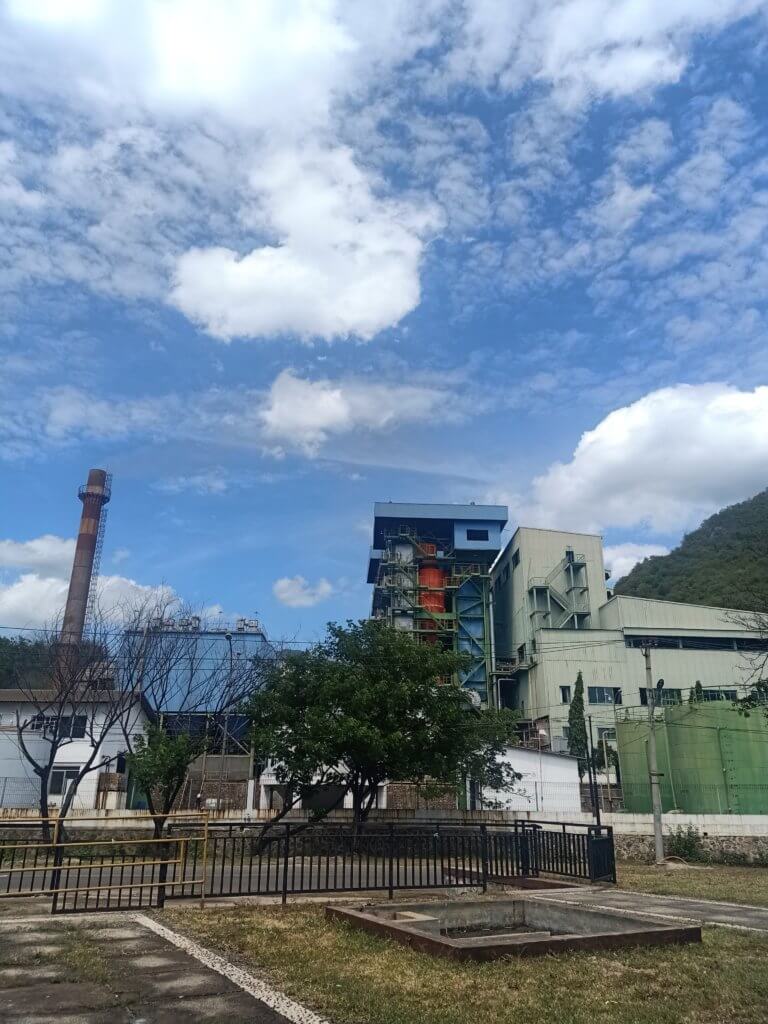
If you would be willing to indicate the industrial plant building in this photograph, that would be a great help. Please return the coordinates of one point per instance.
(441, 572)
(430, 566)
(555, 617)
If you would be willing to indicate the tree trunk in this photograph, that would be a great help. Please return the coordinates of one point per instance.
(43, 805)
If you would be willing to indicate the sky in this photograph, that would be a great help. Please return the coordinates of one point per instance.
(269, 261)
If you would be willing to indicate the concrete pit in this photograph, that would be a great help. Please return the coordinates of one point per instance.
(524, 926)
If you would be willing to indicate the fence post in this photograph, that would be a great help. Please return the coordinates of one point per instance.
(525, 852)
(204, 883)
(613, 854)
(286, 851)
(56, 873)
(484, 854)
(391, 861)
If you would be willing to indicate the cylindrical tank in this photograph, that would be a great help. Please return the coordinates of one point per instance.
(431, 584)
(94, 496)
(431, 595)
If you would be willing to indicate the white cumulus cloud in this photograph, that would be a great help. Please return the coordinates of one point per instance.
(49, 555)
(665, 461)
(303, 413)
(344, 262)
(620, 558)
(297, 592)
(33, 590)
(33, 600)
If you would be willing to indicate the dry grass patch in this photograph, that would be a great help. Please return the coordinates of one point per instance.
(729, 885)
(355, 978)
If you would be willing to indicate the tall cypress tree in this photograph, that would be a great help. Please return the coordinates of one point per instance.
(577, 727)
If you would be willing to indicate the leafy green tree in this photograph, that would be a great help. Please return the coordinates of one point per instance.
(368, 705)
(24, 661)
(159, 763)
(577, 727)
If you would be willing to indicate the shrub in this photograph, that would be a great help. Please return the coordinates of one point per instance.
(685, 842)
(733, 858)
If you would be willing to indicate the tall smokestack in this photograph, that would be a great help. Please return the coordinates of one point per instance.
(94, 495)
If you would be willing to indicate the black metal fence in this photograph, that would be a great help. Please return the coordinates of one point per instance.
(203, 860)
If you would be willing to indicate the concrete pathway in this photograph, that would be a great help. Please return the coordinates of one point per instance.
(120, 969)
(732, 915)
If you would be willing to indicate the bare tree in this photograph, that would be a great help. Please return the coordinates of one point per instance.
(186, 684)
(70, 695)
(755, 647)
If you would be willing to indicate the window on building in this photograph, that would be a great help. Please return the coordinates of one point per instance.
(43, 723)
(604, 694)
(719, 695)
(667, 696)
(505, 574)
(565, 695)
(70, 727)
(606, 731)
(477, 535)
(515, 559)
(79, 723)
(61, 779)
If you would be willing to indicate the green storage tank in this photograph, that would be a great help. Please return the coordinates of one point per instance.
(714, 760)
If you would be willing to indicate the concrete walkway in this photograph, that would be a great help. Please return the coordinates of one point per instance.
(732, 915)
(120, 969)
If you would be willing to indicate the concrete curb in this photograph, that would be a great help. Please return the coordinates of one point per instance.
(667, 917)
(281, 1004)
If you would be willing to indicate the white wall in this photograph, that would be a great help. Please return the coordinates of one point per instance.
(18, 771)
(644, 613)
(549, 783)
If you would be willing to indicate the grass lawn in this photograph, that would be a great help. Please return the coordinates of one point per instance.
(354, 978)
(730, 885)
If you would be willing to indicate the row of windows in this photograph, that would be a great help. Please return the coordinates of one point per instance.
(70, 727)
(699, 643)
(613, 695)
(595, 694)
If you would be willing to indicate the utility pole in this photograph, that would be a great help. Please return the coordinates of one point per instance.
(607, 770)
(593, 776)
(653, 767)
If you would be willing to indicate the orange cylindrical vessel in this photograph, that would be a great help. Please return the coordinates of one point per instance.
(431, 584)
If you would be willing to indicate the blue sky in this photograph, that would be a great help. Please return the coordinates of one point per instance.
(270, 262)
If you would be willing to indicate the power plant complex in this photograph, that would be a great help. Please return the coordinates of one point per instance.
(530, 611)
(536, 611)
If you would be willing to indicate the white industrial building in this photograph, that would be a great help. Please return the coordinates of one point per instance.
(554, 617)
(88, 724)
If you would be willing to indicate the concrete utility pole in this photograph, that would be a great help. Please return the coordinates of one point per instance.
(595, 793)
(653, 767)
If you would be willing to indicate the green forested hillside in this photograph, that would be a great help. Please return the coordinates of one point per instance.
(724, 562)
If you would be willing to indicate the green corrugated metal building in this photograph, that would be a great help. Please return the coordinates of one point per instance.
(714, 760)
